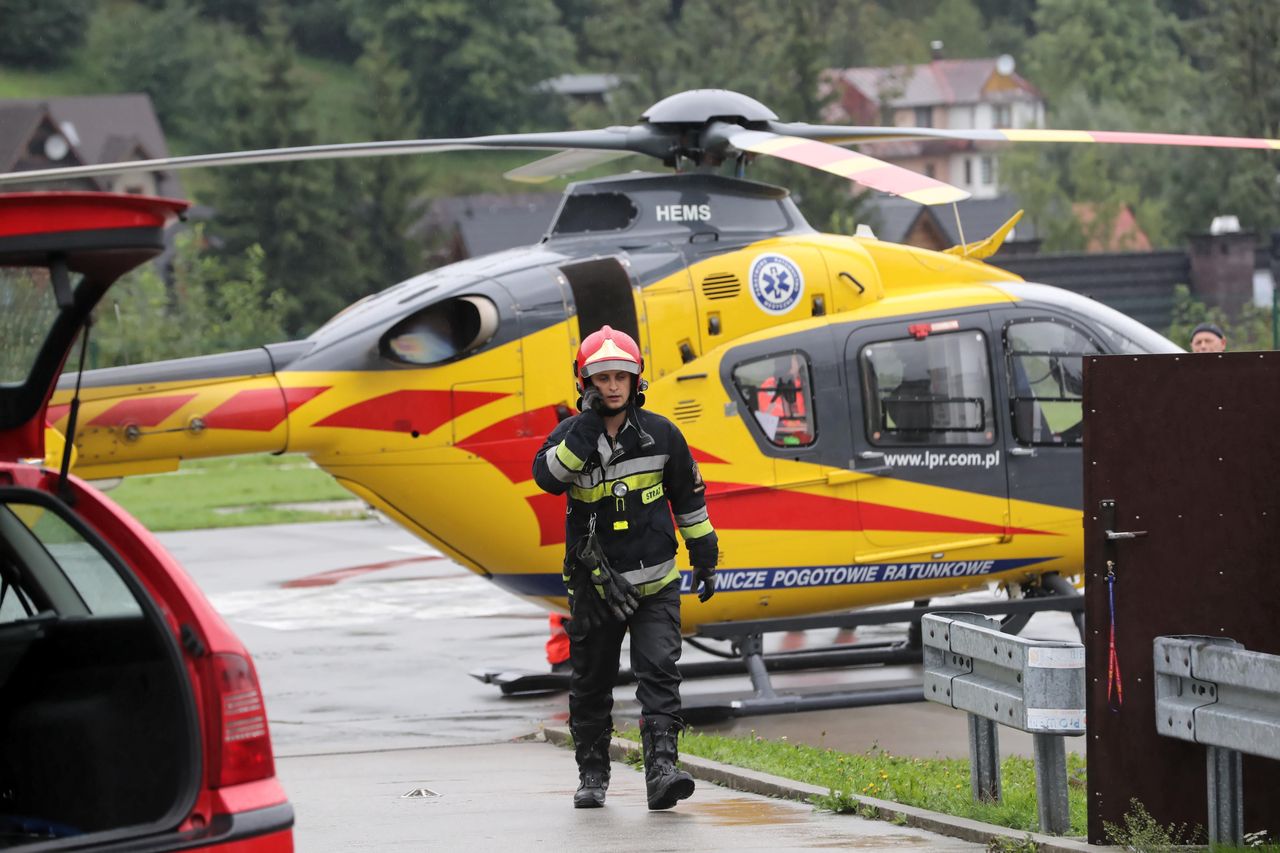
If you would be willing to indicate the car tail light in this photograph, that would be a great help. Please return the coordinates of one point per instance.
(239, 742)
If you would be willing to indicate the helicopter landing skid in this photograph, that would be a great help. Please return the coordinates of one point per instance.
(748, 656)
(519, 682)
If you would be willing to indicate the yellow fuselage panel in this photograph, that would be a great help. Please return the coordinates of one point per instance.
(447, 450)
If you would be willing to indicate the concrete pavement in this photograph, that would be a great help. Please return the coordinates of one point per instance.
(363, 638)
(517, 796)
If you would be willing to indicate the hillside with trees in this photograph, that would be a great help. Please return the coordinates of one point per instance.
(234, 74)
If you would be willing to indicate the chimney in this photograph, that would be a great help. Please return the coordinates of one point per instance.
(935, 49)
(1222, 263)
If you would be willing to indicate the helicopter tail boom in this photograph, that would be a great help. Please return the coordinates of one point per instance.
(147, 418)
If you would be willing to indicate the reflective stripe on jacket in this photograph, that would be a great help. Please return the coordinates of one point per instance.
(633, 493)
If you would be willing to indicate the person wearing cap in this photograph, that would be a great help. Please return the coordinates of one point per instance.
(627, 472)
(1208, 337)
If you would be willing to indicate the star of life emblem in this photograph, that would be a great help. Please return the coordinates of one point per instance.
(776, 283)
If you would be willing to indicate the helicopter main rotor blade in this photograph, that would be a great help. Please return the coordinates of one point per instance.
(848, 135)
(639, 139)
(860, 168)
(561, 164)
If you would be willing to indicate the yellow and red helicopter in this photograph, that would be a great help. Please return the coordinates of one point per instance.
(876, 423)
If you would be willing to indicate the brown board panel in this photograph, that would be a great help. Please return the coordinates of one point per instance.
(1188, 447)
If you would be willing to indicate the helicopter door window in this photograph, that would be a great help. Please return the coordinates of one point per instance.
(777, 390)
(1046, 380)
(442, 332)
(931, 391)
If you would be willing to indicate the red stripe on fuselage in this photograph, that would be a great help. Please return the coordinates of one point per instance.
(56, 413)
(509, 445)
(259, 410)
(549, 509)
(409, 411)
(145, 412)
(737, 506)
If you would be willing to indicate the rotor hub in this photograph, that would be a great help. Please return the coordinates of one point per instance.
(699, 106)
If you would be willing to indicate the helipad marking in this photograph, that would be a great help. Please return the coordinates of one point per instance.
(333, 576)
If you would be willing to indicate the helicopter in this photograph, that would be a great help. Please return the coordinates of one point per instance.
(875, 423)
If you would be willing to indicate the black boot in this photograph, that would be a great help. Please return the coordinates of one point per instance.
(666, 784)
(591, 748)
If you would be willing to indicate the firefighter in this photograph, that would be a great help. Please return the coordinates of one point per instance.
(626, 471)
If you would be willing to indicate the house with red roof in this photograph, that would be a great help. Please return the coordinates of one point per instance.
(966, 94)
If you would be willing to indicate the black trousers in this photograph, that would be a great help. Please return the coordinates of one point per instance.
(655, 649)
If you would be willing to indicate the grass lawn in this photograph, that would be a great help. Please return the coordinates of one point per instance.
(940, 785)
(231, 492)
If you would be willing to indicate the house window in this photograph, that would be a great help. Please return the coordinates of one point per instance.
(1003, 115)
(924, 116)
(968, 171)
(988, 171)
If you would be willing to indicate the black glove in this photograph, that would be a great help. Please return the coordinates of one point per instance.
(592, 400)
(704, 553)
(586, 614)
(619, 595)
(589, 426)
(704, 577)
(586, 608)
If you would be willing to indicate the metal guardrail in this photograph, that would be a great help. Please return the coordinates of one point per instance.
(1215, 692)
(1035, 686)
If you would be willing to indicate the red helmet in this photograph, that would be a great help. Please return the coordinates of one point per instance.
(607, 349)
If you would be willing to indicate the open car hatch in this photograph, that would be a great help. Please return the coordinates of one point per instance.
(59, 252)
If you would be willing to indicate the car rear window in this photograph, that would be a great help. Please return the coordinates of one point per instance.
(45, 564)
(27, 311)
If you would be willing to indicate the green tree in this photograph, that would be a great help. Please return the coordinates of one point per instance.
(772, 50)
(1124, 51)
(1249, 331)
(41, 33)
(386, 183)
(319, 28)
(168, 52)
(960, 27)
(205, 308)
(1235, 43)
(474, 66)
(1106, 65)
(299, 212)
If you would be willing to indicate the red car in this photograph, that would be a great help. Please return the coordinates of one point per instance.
(130, 715)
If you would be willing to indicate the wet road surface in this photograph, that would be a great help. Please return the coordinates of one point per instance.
(364, 636)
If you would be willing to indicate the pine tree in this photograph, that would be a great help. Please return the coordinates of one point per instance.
(387, 183)
(300, 213)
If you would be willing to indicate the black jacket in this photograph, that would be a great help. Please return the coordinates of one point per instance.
(635, 523)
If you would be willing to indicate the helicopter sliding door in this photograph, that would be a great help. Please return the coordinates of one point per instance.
(923, 400)
(1044, 356)
(603, 295)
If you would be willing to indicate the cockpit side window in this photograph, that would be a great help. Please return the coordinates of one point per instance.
(442, 332)
(936, 390)
(778, 392)
(1045, 357)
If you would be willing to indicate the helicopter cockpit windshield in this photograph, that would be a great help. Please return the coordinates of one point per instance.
(441, 332)
(1123, 334)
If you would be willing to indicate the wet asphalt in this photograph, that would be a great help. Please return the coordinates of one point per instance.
(363, 637)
